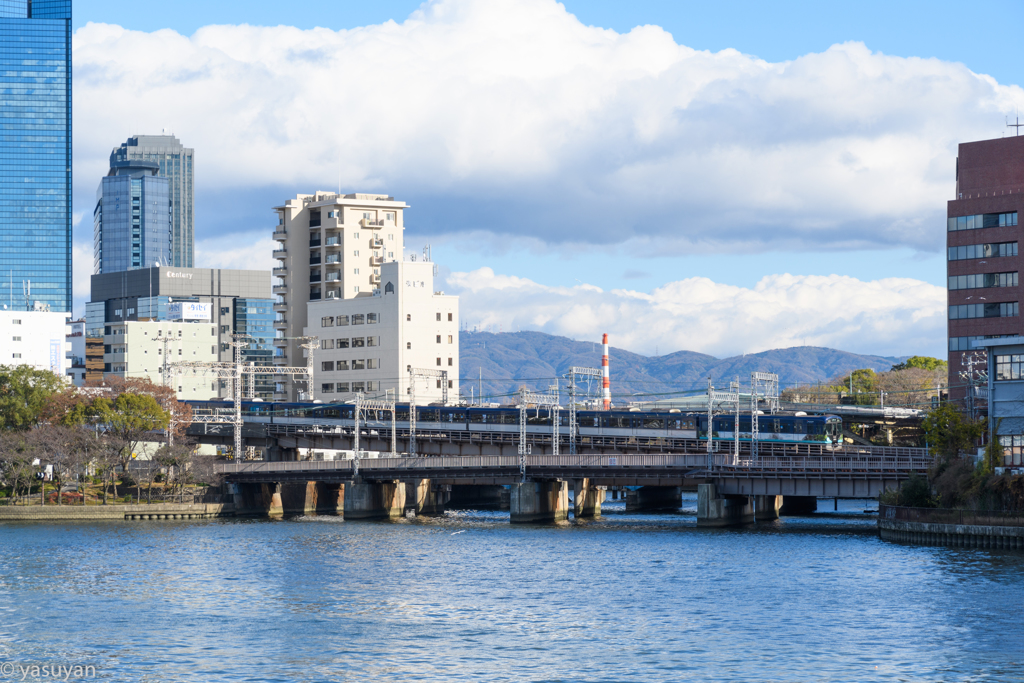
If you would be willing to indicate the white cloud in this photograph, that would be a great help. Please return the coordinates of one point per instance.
(243, 251)
(892, 316)
(513, 117)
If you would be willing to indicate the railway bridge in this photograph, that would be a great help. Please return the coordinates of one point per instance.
(732, 489)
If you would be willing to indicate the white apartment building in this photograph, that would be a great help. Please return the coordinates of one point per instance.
(332, 247)
(76, 351)
(136, 349)
(36, 338)
(368, 343)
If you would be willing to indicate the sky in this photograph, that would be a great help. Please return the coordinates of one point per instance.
(722, 178)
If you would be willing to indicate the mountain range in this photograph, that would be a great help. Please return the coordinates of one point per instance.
(509, 360)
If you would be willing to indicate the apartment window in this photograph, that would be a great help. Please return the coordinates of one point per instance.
(439, 362)
(391, 236)
(213, 350)
(356, 253)
(391, 254)
(389, 216)
(358, 386)
(327, 388)
(408, 317)
(985, 220)
(372, 363)
(356, 289)
(355, 271)
(973, 251)
(450, 339)
(343, 343)
(342, 320)
(359, 364)
(983, 280)
(327, 344)
(355, 235)
(15, 355)
(327, 366)
(1004, 310)
(438, 317)
(342, 365)
(179, 352)
(342, 387)
(358, 342)
(372, 341)
(449, 362)
(408, 345)
(438, 384)
(327, 321)
(15, 338)
(450, 385)
(358, 319)
(367, 215)
(371, 318)
(213, 331)
(18, 322)
(449, 317)
(438, 339)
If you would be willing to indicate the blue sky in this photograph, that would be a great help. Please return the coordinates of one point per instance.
(722, 164)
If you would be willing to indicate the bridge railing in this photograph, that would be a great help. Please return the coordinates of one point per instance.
(872, 464)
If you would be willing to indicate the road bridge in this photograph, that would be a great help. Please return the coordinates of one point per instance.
(731, 490)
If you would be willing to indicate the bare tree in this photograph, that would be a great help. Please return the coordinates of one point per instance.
(63, 448)
(912, 387)
(16, 456)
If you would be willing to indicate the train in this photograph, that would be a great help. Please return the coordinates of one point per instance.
(784, 426)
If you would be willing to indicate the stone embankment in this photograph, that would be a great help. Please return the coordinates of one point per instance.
(93, 513)
(960, 528)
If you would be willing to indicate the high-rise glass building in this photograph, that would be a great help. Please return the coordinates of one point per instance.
(175, 162)
(132, 219)
(35, 153)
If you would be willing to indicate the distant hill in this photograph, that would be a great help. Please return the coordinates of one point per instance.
(534, 359)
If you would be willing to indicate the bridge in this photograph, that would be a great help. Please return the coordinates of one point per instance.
(731, 489)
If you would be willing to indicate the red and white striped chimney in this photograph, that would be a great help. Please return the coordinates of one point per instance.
(605, 378)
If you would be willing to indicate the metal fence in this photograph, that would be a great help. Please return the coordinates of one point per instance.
(950, 516)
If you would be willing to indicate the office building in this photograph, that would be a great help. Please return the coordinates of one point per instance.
(369, 343)
(35, 180)
(231, 301)
(175, 163)
(36, 338)
(136, 349)
(332, 246)
(132, 218)
(1005, 386)
(983, 265)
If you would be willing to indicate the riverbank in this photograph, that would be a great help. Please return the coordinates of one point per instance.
(93, 513)
(959, 528)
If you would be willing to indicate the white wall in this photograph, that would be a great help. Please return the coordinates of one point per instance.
(136, 352)
(36, 338)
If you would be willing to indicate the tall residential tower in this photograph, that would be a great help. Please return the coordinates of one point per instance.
(35, 180)
(175, 163)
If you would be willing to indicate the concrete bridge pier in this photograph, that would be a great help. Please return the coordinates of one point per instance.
(258, 499)
(373, 499)
(478, 497)
(425, 498)
(799, 505)
(766, 508)
(586, 499)
(539, 502)
(654, 499)
(716, 510)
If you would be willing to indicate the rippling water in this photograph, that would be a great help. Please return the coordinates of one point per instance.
(470, 597)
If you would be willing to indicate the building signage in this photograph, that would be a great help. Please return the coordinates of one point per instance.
(186, 276)
(56, 347)
(188, 310)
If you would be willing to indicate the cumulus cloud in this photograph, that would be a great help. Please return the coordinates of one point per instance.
(891, 316)
(512, 117)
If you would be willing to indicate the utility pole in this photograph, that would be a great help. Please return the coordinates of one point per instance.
(424, 373)
(573, 387)
(538, 400)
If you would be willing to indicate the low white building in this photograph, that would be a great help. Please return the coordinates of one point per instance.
(136, 349)
(36, 338)
(369, 343)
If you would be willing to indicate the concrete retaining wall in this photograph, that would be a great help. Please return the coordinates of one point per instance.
(92, 513)
(959, 535)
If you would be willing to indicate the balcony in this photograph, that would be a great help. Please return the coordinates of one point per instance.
(280, 253)
(280, 289)
(280, 271)
(281, 323)
(375, 279)
(333, 258)
(376, 260)
(280, 234)
(314, 277)
(280, 307)
(333, 294)
(376, 243)
(334, 277)
(314, 243)
(279, 342)
(370, 223)
(314, 259)
(333, 242)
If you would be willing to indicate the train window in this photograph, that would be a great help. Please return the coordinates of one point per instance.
(477, 418)
(509, 418)
(542, 419)
(800, 427)
(654, 423)
(777, 426)
(615, 422)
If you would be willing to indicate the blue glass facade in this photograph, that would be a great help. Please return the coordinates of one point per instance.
(35, 153)
(132, 220)
(255, 317)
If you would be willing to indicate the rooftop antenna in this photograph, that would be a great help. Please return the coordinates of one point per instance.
(1016, 125)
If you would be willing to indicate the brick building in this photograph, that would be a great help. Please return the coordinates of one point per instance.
(983, 260)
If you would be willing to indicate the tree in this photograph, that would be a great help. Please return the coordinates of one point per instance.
(910, 387)
(16, 456)
(24, 392)
(922, 363)
(64, 449)
(949, 432)
(128, 418)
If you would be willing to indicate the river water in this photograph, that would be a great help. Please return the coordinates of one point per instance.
(469, 597)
